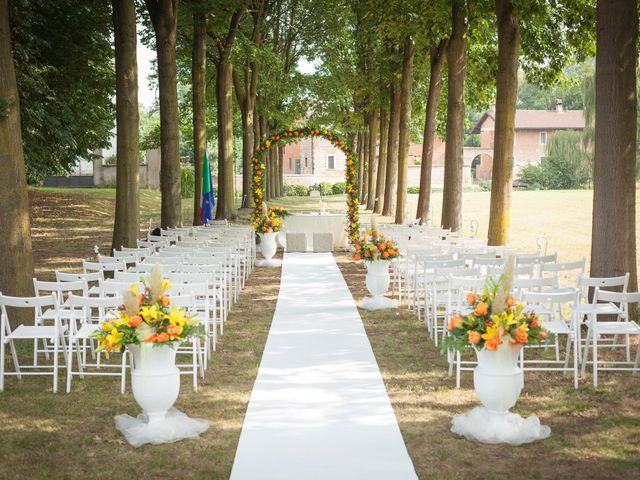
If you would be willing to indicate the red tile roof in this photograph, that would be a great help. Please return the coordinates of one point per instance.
(541, 120)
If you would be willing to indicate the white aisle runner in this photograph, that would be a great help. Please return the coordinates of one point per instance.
(319, 409)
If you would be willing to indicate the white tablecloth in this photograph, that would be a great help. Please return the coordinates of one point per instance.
(309, 224)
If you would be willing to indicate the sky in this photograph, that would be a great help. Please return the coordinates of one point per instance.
(146, 93)
(146, 90)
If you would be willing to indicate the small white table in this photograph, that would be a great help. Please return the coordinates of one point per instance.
(310, 223)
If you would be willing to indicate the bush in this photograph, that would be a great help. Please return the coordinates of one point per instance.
(325, 188)
(187, 182)
(414, 189)
(567, 165)
(485, 185)
(295, 190)
(339, 188)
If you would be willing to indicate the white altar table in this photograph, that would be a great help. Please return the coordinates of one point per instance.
(310, 223)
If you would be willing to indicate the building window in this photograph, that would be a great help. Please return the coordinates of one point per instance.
(306, 162)
(543, 138)
(331, 162)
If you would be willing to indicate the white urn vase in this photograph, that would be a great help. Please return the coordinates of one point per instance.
(498, 381)
(268, 245)
(155, 379)
(377, 281)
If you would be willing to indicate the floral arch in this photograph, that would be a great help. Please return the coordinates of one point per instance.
(292, 135)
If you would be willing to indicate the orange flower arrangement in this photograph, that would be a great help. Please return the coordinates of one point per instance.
(496, 319)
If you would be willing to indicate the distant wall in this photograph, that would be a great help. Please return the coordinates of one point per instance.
(148, 177)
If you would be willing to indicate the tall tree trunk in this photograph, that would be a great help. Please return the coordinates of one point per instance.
(247, 152)
(506, 97)
(438, 55)
(613, 231)
(453, 156)
(280, 171)
(360, 163)
(405, 127)
(382, 160)
(391, 177)
(372, 171)
(226, 208)
(199, 87)
(126, 222)
(16, 258)
(364, 194)
(164, 16)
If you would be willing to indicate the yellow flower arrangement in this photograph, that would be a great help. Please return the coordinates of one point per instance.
(147, 317)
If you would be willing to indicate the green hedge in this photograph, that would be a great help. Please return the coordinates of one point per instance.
(413, 189)
(339, 188)
(295, 190)
(187, 182)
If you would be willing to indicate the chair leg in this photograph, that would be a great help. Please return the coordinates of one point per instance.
(14, 356)
(70, 364)
(55, 364)
(457, 369)
(2, 360)
(594, 343)
(585, 354)
(123, 372)
(575, 362)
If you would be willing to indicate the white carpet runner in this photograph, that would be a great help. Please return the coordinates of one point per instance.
(319, 408)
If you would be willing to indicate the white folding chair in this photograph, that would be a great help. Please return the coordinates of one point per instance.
(557, 310)
(623, 326)
(194, 350)
(88, 315)
(52, 333)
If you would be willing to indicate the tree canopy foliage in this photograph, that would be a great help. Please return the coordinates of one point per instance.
(64, 68)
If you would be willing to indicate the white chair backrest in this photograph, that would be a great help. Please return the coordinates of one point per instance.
(536, 259)
(564, 270)
(105, 267)
(62, 289)
(603, 283)
(72, 277)
(34, 303)
(134, 277)
(83, 307)
(109, 288)
(550, 304)
(622, 299)
(521, 285)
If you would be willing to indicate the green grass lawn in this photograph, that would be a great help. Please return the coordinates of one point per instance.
(594, 431)
(563, 217)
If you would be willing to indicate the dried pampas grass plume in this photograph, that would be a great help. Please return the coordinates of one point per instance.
(155, 282)
(130, 301)
(506, 283)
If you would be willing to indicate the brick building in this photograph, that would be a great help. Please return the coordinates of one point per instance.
(533, 129)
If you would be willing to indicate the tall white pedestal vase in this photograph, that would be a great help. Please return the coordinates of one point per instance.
(268, 248)
(377, 281)
(155, 381)
(498, 381)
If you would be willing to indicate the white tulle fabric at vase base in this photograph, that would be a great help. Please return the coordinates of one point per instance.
(274, 262)
(377, 303)
(486, 427)
(175, 427)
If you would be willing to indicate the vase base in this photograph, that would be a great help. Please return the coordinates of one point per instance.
(489, 427)
(274, 262)
(174, 427)
(377, 303)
